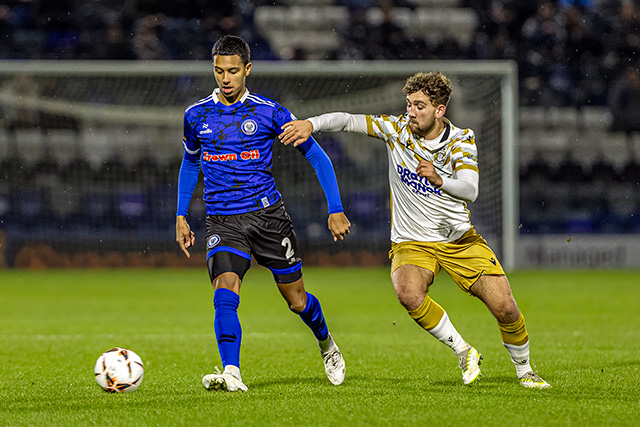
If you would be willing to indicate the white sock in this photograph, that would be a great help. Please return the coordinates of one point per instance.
(326, 345)
(519, 357)
(446, 333)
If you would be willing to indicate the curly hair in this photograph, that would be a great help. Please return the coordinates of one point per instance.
(232, 45)
(435, 85)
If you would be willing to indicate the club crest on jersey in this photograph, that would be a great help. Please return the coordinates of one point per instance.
(249, 127)
(439, 157)
(213, 240)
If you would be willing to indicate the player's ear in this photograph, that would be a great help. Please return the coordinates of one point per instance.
(440, 110)
(247, 69)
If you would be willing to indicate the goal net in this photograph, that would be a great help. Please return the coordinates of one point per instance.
(90, 152)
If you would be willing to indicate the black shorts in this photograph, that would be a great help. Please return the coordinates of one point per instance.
(267, 234)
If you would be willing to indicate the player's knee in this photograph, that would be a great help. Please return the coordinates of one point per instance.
(297, 306)
(229, 281)
(294, 294)
(507, 312)
(408, 299)
(296, 299)
(411, 284)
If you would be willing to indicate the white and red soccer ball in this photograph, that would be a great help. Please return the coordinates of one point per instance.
(119, 370)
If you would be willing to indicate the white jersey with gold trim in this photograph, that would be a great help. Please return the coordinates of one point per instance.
(419, 210)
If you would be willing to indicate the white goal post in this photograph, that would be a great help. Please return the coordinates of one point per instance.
(117, 107)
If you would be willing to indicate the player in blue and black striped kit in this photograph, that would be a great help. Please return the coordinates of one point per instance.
(230, 136)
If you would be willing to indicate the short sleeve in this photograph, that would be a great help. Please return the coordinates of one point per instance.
(281, 115)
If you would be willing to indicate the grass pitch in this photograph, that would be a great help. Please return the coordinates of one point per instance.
(584, 329)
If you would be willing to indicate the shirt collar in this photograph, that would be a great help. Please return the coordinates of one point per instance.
(442, 136)
(243, 98)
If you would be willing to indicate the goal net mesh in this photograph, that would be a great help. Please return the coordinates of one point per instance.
(89, 157)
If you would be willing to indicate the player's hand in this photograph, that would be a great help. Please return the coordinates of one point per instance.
(427, 170)
(184, 235)
(339, 225)
(296, 132)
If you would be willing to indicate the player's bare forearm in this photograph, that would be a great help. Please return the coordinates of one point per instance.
(427, 170)
(184, 236)
(296, 132)
(339, 225)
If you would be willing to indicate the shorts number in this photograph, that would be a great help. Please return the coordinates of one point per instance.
(287, 244)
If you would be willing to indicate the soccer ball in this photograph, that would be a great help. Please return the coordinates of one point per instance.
(119, 370)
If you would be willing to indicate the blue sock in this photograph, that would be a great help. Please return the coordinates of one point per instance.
(227, 326)
(312, 316)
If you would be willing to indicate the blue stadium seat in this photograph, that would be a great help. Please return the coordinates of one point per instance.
(131, 208)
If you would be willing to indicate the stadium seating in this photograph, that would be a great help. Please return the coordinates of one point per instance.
(431, 24)
(576, 175)
(318, 29)
(315, 29)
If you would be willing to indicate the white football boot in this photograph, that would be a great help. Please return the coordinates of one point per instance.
(228, 380)
(470, 362)
(333, 362)
(533, 380)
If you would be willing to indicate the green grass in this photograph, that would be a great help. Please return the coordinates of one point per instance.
(584, 329)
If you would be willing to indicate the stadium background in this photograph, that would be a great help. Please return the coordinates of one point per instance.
(579, 96)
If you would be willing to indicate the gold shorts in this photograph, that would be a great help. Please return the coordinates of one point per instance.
(465, 259)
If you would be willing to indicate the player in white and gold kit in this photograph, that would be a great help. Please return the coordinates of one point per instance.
(433, 174)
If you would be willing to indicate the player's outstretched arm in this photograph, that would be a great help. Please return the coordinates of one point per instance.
(296, 132)
(184, 236)
(339, 225)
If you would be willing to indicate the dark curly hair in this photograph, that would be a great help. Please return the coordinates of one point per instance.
(435, 85)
